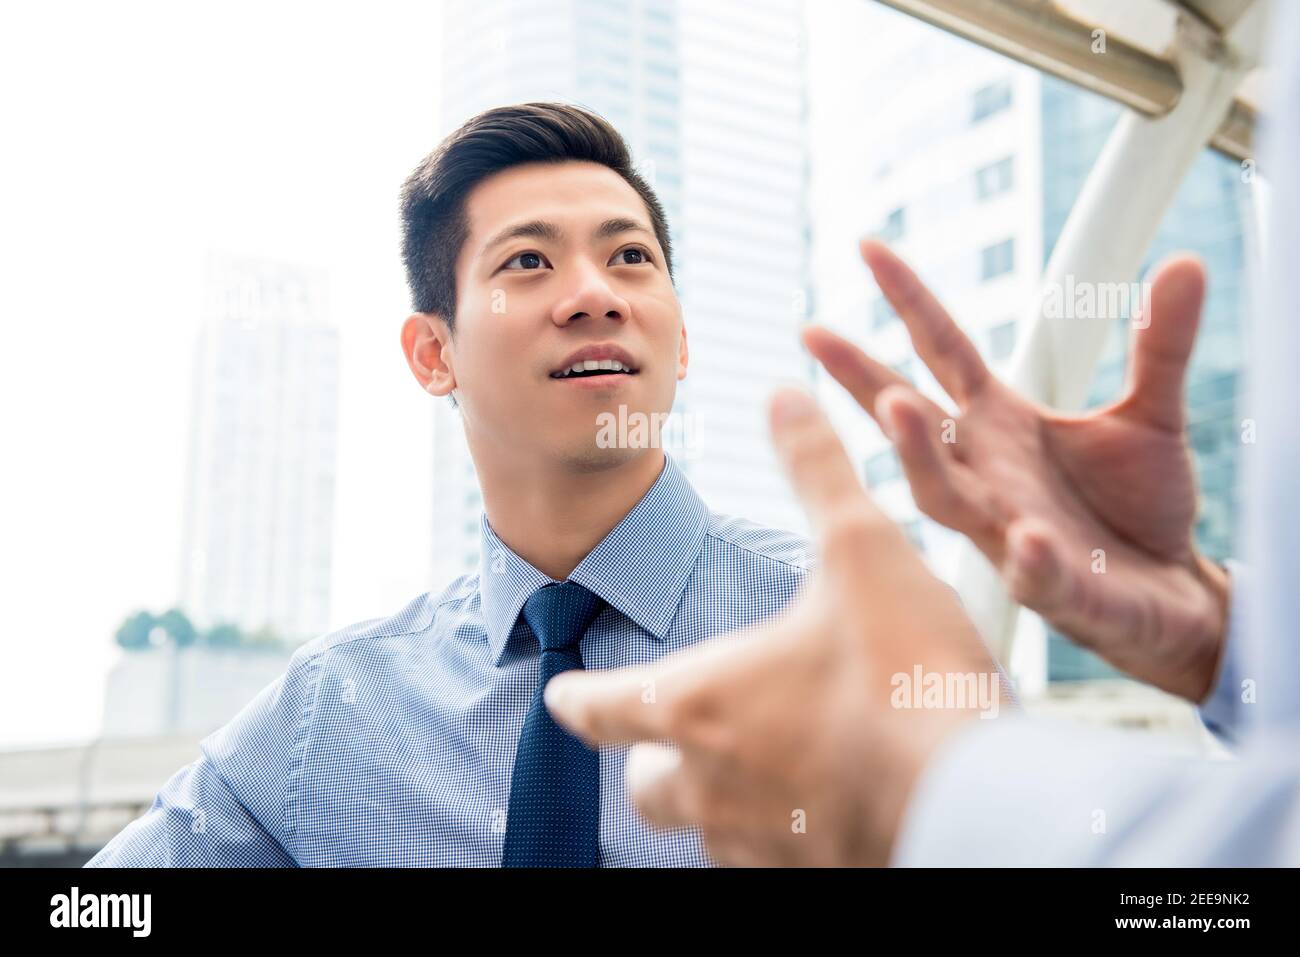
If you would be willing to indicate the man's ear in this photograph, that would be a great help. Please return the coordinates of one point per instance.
(682, 356)
(426, 340)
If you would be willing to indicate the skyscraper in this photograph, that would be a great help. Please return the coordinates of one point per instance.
(258, 525)
(744, 236)
(939, 155)
(710, 98)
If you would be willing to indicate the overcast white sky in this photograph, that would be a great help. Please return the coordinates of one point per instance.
(137, 137)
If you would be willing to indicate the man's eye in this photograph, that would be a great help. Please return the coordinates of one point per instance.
(528, 261)
(642, 255)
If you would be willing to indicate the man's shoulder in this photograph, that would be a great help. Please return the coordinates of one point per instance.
(415, 616)
(779, 550)
(263, 741)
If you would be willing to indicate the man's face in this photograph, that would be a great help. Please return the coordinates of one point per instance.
(588, 284)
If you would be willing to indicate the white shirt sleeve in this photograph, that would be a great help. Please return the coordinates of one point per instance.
(1027, 792)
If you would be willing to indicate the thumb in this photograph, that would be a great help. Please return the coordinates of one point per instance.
(1162, 347)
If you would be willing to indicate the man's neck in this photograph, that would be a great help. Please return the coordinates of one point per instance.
(552, 517)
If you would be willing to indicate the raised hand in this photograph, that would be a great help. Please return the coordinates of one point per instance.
(1088, 517)
(795, 742)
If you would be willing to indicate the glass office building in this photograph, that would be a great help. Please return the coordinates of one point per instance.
(972, 183)
(1211, 217)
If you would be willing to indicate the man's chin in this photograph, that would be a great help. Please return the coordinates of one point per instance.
(613, 436)
(591, 456)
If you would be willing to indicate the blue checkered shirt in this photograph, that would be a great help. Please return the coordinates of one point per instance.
(391, 742)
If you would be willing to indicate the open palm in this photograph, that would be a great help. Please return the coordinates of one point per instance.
(1088, 517)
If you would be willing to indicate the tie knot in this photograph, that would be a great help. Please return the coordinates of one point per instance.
(559, 614)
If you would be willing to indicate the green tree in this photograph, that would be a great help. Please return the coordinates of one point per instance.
(133, 634)
(224, 636)
(179, 628)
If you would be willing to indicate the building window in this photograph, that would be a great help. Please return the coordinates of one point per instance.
(882, 314)
(1002, 339)
(882, 467)
(994, 179)
(991, 99)
(997, 259)
(893, 228)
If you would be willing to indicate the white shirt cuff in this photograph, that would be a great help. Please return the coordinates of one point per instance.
(1221, 711)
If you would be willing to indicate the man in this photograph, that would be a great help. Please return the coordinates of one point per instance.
(541, 273)
(1037, 492)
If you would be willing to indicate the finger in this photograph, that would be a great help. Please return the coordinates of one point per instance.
(861, 376)
(815, 461)
(1162, 347)
(942, 346)
(638, 703)
(655, 784)
(1033, 570)
(1090, 611)
(608, 707)
(942, 487)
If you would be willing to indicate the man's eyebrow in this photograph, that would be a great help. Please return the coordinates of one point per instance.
(619, 224)
(544, 229)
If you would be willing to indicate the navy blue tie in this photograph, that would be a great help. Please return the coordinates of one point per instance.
(554, 816)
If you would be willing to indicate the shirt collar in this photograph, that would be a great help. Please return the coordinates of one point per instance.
(640, 568)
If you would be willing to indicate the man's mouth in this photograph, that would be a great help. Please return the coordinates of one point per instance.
(589, 368)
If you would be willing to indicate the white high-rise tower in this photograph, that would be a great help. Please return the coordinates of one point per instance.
(710, 97)
(260, 506)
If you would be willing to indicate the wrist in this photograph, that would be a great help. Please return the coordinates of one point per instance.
(1217, 583)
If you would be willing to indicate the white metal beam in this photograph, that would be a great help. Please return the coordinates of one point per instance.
(1104, 240)
(1042, 35)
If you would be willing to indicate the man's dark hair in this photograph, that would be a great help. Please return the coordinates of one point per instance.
(434, 222)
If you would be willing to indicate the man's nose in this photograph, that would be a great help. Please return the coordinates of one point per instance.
(590, 296)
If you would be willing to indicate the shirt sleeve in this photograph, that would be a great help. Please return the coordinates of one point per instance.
(233, 806)
(1221, 711)
(1028, 792)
